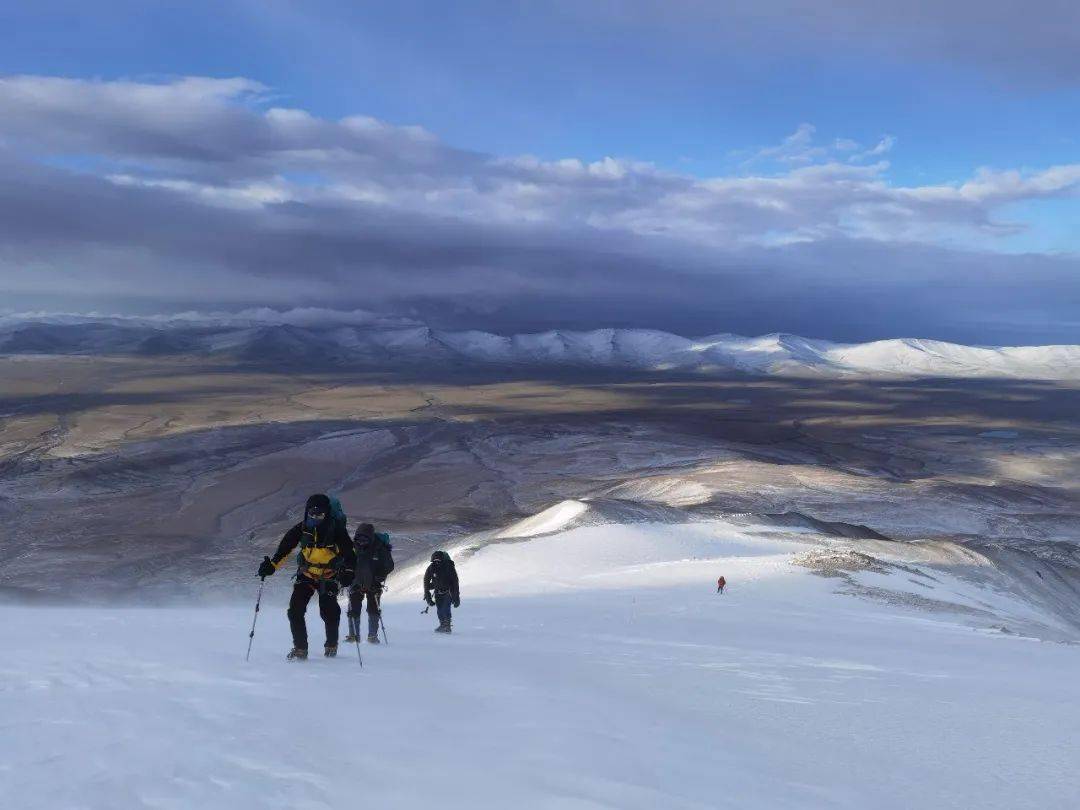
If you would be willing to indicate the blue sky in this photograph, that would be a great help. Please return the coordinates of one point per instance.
(507, 77)
(698, 90)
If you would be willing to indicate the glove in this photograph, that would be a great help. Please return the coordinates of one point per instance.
(346, 578)
(457, 601)
(266, 568)
(429, 600)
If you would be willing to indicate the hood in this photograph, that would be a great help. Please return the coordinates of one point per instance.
(322, 502)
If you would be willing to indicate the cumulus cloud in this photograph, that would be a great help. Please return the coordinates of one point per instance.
(200, 190)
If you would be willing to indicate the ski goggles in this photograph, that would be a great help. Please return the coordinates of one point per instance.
(315, 513)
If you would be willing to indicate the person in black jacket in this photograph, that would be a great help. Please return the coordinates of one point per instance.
(441, 580)
(325, 562)
(374, 562)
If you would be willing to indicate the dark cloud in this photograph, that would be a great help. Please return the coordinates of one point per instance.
(190, 193)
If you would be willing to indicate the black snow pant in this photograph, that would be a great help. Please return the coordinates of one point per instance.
(356, 603)
(329, 609)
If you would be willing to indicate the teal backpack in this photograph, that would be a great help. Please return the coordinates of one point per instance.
(337, 512)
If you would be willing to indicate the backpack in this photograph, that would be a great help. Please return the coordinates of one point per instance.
(337, 512)
(443, 574)
(386, 555)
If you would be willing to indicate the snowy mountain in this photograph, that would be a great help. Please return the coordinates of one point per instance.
(337, 338)
(590, 666)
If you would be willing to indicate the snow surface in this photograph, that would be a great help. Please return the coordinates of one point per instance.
(313, 334)
(551, 519)
(595, 667)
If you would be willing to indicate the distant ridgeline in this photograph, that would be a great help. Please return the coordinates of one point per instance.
(330, 343)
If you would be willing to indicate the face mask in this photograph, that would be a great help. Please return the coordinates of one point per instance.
(313, 518)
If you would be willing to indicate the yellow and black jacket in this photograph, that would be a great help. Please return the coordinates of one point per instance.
(326, 552)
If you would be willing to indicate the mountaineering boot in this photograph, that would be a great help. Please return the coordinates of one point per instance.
(444, 627)
(297, 654)
(349, 639)
(373, 639)
(330, 650)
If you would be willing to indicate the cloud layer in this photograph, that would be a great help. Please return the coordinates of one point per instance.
(197, 191)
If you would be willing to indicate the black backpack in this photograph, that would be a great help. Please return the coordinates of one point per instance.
(385, 556)
(443, 573)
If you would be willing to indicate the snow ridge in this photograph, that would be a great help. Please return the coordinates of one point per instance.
(361, 338)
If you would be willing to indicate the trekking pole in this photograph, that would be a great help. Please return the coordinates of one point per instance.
(354, 628)
(251, 635)
(378, 606)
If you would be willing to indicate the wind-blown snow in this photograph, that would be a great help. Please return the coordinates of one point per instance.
(551, 519)
(593, 667)
(361, 337)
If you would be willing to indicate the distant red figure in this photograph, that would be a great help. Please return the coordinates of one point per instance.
(720, 583)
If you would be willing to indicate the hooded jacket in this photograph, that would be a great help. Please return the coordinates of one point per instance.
(374, 559)
(326, 552)
(441, 578)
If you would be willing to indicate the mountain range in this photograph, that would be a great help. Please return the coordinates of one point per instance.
(325, 337)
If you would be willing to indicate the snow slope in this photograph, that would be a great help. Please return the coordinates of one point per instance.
(594, 667)
(311, 336)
